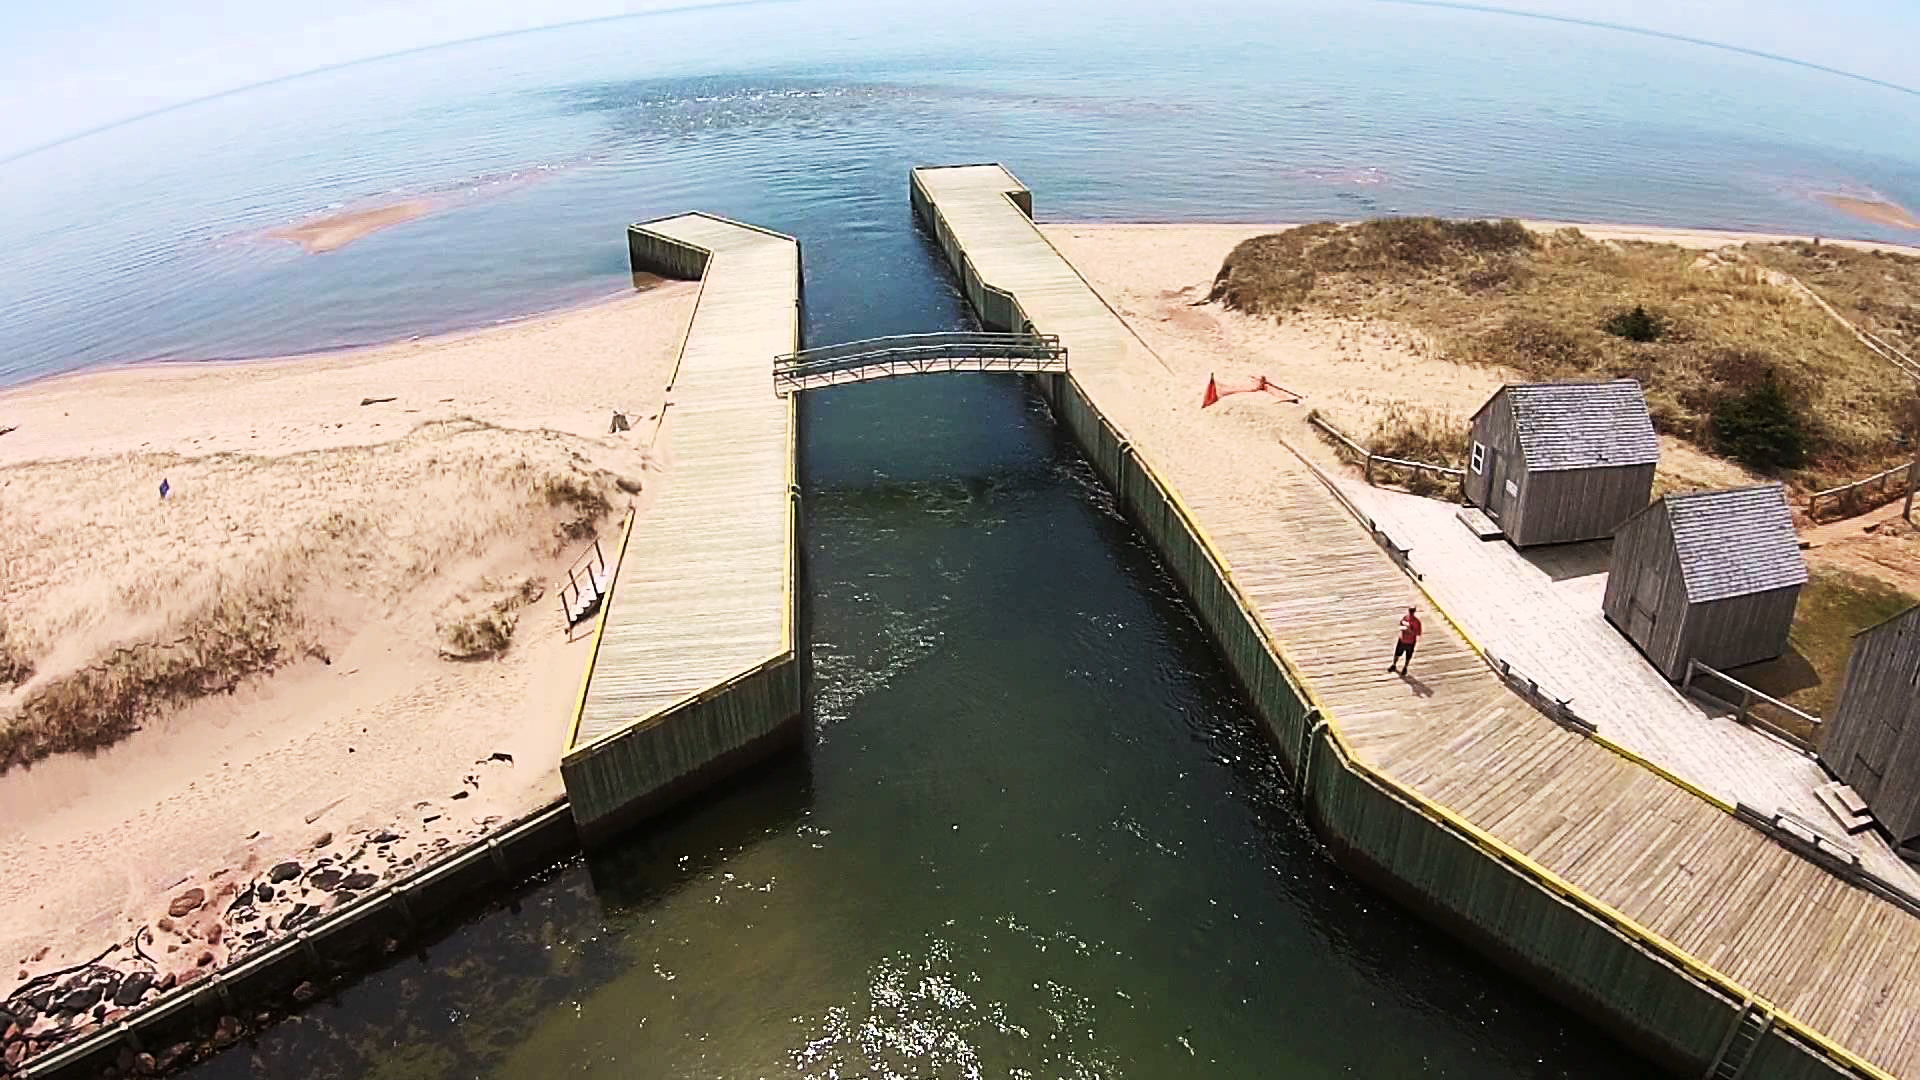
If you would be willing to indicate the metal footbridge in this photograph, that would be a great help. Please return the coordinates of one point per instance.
(917, 354)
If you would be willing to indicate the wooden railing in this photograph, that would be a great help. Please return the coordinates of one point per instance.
(1743, 702)
(588, 580)
(1368, 460)
(1855, 498)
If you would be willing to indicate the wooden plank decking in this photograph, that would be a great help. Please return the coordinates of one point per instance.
(702, 592)
(1540, 611)
(1838, 959)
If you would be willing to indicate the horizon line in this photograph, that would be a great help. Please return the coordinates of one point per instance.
(161, 110)
(711, 5)
(1625, 28)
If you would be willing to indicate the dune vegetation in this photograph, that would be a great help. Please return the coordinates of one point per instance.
(120, 606)
(1734, 357)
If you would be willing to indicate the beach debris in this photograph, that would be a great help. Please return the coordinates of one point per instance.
(317, 814)
(305, 992)
(76, 1001)
(499, 755)
(9, 427)
(187, 902)
(458, 795)
(619, 423)
(226, 1031)
(385, 836)
(322, 840)
(133, 988)
(165, 488)
(376, 400)
(627, 485)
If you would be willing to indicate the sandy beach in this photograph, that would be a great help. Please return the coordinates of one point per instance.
(273, 635)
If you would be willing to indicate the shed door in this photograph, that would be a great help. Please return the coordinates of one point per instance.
(1496, 483)
(1642, 603)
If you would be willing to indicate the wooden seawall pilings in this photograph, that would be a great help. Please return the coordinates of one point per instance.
(1667, 1005)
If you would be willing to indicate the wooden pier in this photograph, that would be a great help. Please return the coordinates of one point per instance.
(693, 666)
(1634, 896)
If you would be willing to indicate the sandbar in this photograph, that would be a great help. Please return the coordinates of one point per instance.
(1876, 210)
(332, 232)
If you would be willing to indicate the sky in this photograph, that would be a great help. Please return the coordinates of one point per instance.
(71, 66)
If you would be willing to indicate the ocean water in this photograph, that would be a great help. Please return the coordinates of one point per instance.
(145, 241)
(1033, 831)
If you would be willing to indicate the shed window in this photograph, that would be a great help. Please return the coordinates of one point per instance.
(1479, 459)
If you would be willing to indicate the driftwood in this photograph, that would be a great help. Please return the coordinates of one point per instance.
(376, 400)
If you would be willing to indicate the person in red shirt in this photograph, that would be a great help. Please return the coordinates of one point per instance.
(1409, 637)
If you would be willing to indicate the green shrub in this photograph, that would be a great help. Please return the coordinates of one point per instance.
(1761, 428)
(1638, 324)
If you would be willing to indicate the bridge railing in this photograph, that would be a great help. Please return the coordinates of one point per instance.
(933, 346)
(920, 353)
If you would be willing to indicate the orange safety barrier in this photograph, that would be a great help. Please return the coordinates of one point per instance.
(1261, 383)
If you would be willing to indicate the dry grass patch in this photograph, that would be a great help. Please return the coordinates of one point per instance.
(1432, 436)
(1878, 291)
(1733, 361)
(481, 629)
(241, 634)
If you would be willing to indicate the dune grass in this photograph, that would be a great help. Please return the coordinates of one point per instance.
(1732, 360)
(1433, 436)
(241, 633)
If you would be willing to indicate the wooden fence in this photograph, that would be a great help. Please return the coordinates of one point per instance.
(1744, 702)
(1368, 460)
(1862, 495)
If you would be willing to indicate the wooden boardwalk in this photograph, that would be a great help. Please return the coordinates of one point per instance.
(1540, 611)
(1838, 960)
(702, 591)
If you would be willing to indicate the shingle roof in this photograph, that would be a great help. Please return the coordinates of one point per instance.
(1735, 543)
(1583, 425)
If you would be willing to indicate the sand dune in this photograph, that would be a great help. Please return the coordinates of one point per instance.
(1356, 372)
(303, 568)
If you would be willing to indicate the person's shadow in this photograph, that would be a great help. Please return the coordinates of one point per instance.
(1419, 688)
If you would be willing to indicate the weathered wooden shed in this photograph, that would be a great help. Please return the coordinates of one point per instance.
(1872, 738)
(1711, 575)
(1553, 463)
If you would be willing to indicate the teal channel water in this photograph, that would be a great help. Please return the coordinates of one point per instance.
(1034, 830)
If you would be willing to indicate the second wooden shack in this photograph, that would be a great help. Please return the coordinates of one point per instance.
(1712, 576)
(1558, 462)
(1873, 737)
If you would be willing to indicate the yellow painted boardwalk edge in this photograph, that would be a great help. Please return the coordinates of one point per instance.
(599, 628)
(1488, 843)
(572, 751)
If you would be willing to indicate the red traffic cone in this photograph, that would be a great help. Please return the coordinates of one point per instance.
(1213, 393)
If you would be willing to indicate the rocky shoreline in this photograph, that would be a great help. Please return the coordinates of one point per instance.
(214, 923)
